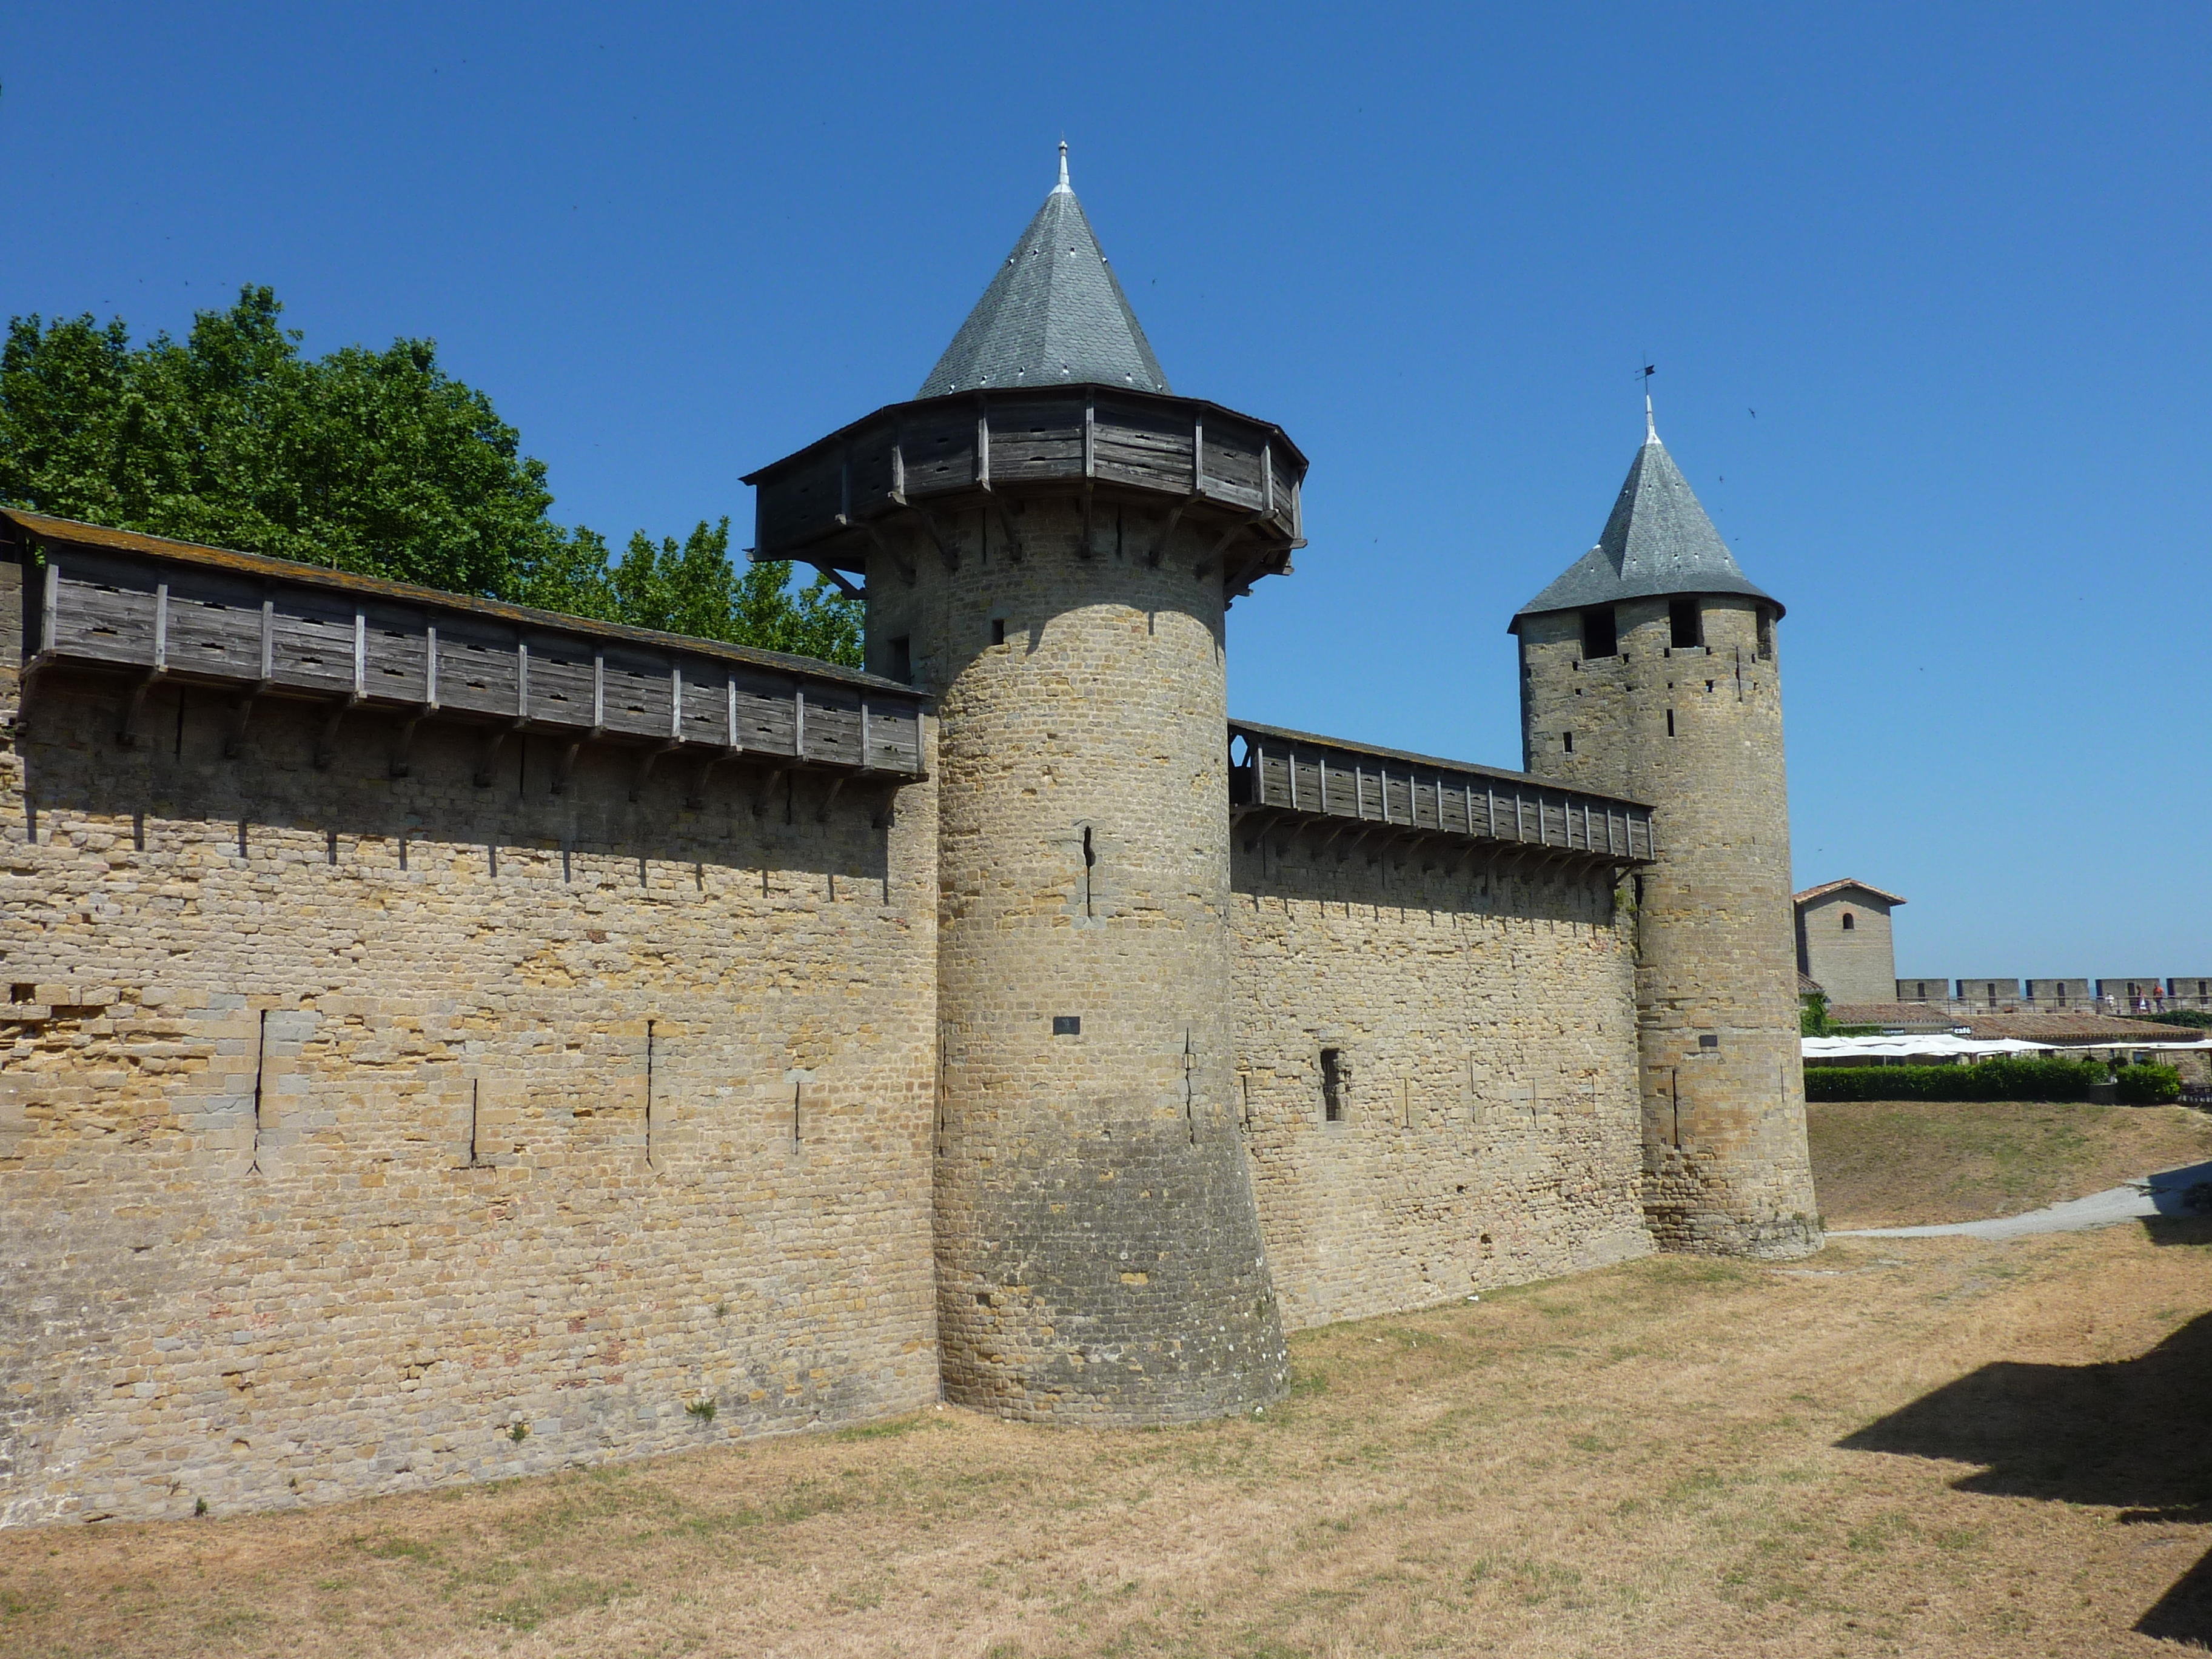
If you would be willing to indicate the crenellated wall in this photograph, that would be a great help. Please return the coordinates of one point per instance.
(360, 1134)
(1485, 1022)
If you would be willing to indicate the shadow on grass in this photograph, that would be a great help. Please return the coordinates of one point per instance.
(2135, 1434)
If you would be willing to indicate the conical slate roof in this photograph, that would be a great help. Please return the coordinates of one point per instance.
(1053, 315)
(1657, 541)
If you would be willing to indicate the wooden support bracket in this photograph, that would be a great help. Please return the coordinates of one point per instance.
(487, 753)
(233, 736)
(403, 744)
(327, 740)
(641, 774)
(776, 775)
(696, 796)
(126, 731)
(564, 768)
(838, 579)
(836, 787)
(1006, 525)
(1167, 529)
(948, 550)
(1206, 566)
(886, 813)
(882, 544)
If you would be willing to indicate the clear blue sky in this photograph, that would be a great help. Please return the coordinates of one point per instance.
(1957, 260)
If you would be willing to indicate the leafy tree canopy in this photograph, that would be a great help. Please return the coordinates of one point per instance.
(377, 462)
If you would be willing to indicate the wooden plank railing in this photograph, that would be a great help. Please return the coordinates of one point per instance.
(1294, 772)
(272, 629)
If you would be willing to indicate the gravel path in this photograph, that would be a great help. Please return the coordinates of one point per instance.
(2183, 1192)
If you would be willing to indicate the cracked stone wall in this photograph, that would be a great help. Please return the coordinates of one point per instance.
(361, 1134)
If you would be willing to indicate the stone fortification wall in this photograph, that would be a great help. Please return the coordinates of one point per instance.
(1857, 964)
(1099, 1257)
(1697, 731)
(360, 1134)
(1485, 1037)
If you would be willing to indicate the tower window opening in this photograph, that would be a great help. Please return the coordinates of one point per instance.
(1090, 863)
(1670, 722)
(1851, 922)
(998, 630)
(1601, 637)
(1332, 1085)
(1684, 624)
(1766, 634)
(1569, 737)
(901, 652)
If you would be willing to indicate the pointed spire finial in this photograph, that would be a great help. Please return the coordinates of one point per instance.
(1063, 184)
(1650, 426)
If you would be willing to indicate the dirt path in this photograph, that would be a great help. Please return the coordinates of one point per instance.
(1926, 1446)
(2175, 1194)
(1905, 1163)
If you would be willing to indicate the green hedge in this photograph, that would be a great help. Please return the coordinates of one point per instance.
(2147, 1086)
(2001, 1078)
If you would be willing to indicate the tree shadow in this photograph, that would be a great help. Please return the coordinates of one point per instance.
(2135, 1434)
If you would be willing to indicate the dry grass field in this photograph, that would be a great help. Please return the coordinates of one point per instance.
(1904, 1163)
(1930, 1447)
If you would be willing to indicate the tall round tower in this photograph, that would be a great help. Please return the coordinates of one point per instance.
(1648, 670)
(1050, 539)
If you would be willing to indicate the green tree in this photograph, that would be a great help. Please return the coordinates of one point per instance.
(374, 462)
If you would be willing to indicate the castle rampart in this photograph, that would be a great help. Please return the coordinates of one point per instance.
(360, 1133)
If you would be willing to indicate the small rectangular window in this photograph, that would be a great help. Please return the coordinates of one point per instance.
(1570, 739)
(1670, 722)
(1686, 626)
(1601, 638)
(1766, 634)
(901, 652)
(1332, 1086)
(998, 630)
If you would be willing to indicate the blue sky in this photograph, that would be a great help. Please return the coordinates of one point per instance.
(1955, 260)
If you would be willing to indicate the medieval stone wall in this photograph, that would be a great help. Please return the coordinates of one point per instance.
(1099, 1257)
(1697, 731)
(1485, 1029)
(1857, 963)
(360, 1134)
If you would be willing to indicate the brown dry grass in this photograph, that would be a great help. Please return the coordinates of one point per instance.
(1648, 1460)
(1909, 1164)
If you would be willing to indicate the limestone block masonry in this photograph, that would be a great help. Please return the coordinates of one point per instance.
(1099, 1257)
(361, 1134)
(1483, 1026)
(1697, 731)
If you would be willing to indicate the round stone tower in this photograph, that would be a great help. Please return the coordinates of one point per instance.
(1050, 539)
(1648, 670)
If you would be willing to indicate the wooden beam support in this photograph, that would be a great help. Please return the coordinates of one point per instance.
(1206, 566)
(487, 766)
(233, 736)
(565, 766)
(836, 787)
(886, 813)
(126, 730)
(327, 740)
(883, 545)
(1005, 524)
(776, 775)
(838, 579)
(1167, 529)
(947, 550)
(696, 796)
(641, 774)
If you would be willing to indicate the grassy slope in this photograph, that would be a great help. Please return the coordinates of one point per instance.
(1904, 1164)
